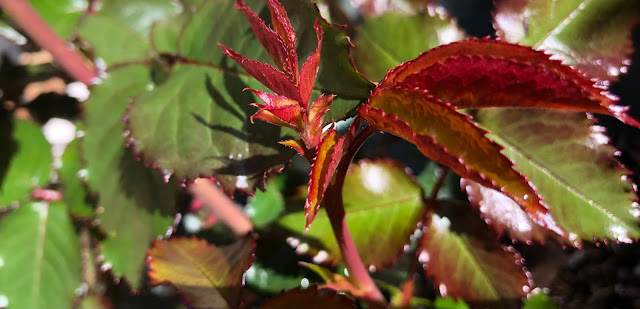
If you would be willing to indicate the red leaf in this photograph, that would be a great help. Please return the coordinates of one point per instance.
(285, 109)
(297, 145)
(282, 26)
(316, 114)
(270, 117)
(265, 74)
(324, 166)
(310, 69)
(502, 213)
(310, 298)
(481, 73)
(446, 136)
(205, 275)
(271, 41)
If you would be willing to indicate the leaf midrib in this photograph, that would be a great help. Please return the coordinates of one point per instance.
(42, 232)
(557, 28)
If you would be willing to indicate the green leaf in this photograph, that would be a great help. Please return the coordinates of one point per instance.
(268, 280)
(466, 261)
(25, 160)
(74, 189)
(311, 298)
(265, 207)
(568, 159)
(386, 41)
(540, 300)
(450, 303)
(197, 124)
(383, 205)
(120, 30)
(135, 205)
(205, 275)
(61, 16)
(39, 257)
(593, 36)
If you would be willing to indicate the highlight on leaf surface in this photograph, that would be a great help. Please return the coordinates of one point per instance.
(466, 261)
(204, 275)
(450, 138)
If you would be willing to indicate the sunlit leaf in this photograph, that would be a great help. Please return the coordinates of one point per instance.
(40, 257)
(205, 275)
(310, 298)
(446, 136)
(382, 204)
(449, 303)
(502, 214)
(540, 300)
(593, 36)
(135, 205)
(466, 261)
(573, 168)
(61, 16)
(25, 160)
(376, 46)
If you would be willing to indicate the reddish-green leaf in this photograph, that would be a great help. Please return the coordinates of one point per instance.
(592, 36)
(567, 157)
(465, 260)
(282, 25)
(205, 275)
(310, 298)
(334, 281)
(383, 204)
(324, 165)
(450, 138)
(483, 73)
(502, 214)
(309, 69)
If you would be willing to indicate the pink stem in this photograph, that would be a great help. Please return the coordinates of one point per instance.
(23, 14)
(335, 210)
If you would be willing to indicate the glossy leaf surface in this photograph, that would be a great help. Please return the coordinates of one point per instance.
(135, 205)
(591, 183)
(324, 166)
(466, 261)
(40, 256)
(446, 136)
(593, 36)
(502, 214)
(25, 160)
(205, 275)
(376, 46)
(310, 298)
(382, 204)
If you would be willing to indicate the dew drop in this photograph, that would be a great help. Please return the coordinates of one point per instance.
(4, 301)
(293, 242)
(166, 175)
(443, 289)
(1, 261)
(406, 248)
(320, 257)
(346, 272)
(302, 248)
(82, 289)
(526, 197)
(105, 267)
(372, 269)
(304, 283)
(526, 289)
(423, 257)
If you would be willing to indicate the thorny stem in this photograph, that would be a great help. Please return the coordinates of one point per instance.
(408, 286)
(23, 14)
(335, 210)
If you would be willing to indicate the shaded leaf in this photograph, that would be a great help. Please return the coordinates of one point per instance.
(311, 298)
(383, 205)
(376, 50)
(40, 257)
(465, 260)
(25, 160)
(591, 183)
(197, 124)
(450, 138)
(61, 16)
(205, 275)
(592, 36)
(268, 280)
(334, 281)
(73, 179)
(502, 214)
(135, 205)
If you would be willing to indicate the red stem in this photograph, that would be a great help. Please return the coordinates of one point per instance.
(335, 210)
(408, 286)
(23, 14)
